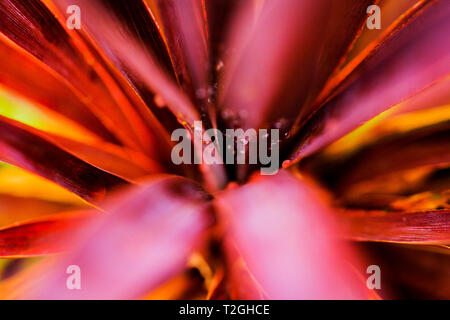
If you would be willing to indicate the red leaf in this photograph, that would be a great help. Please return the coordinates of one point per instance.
(426, 227)
(127, 164)
(279, 66)
(23, 147)
(287, 239)
(436, 95)
(395, 16)
(408, 151)
(145, 239)
(183, 27)
(14, 209)
(43, 236)
(411, 60)
(126, 53)
(32, 79)
(36, 29)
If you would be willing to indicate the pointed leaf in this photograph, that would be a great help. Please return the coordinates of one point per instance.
(14, 209)
(426, 227)
(411, 60)
(404, 152)
(28, 77)
(32, 26)
(128, 55)
(23, 147)
(395, 16)
(184, 29)
(286, 238)
(127, 164)
(274, 88)
(144, 241)
(42, 236)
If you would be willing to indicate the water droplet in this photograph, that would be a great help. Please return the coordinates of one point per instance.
(243, 114)
(219, 65)
(226, 114)
(244, 141)
(211, 90)
(159, 101)
(201, 93)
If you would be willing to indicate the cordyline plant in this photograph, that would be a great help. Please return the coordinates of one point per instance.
(364, 144)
